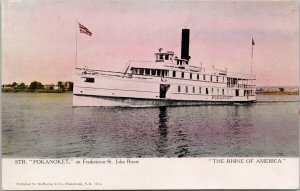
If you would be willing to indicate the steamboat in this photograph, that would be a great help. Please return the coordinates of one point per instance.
(165, 81)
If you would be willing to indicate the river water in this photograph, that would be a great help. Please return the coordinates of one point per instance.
(46, 125)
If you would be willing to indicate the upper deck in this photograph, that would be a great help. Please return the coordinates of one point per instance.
(167, 62)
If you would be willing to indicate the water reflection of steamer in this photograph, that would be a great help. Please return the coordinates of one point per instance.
(167, 80)
(163, 131)
(162, 145)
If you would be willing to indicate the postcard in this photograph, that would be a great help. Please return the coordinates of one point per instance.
(111, 94)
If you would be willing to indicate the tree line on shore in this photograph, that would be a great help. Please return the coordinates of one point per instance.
(36, 86)
(278, 91)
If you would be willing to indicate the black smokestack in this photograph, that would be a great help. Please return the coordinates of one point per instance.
(185, 43)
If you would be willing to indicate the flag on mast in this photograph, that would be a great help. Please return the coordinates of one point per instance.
(253, 43)
(84, 30)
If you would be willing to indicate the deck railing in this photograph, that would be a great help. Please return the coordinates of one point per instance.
(240, 86)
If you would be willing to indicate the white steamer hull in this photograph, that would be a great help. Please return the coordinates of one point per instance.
(166, 81)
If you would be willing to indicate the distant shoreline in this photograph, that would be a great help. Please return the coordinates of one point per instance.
(60, 91)
(34, 91)
(277, 93)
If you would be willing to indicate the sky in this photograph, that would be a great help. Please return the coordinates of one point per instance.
(39, 36)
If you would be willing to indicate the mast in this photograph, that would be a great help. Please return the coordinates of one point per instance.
(76, 43)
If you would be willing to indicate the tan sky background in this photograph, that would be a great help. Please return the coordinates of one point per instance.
(39, 37)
